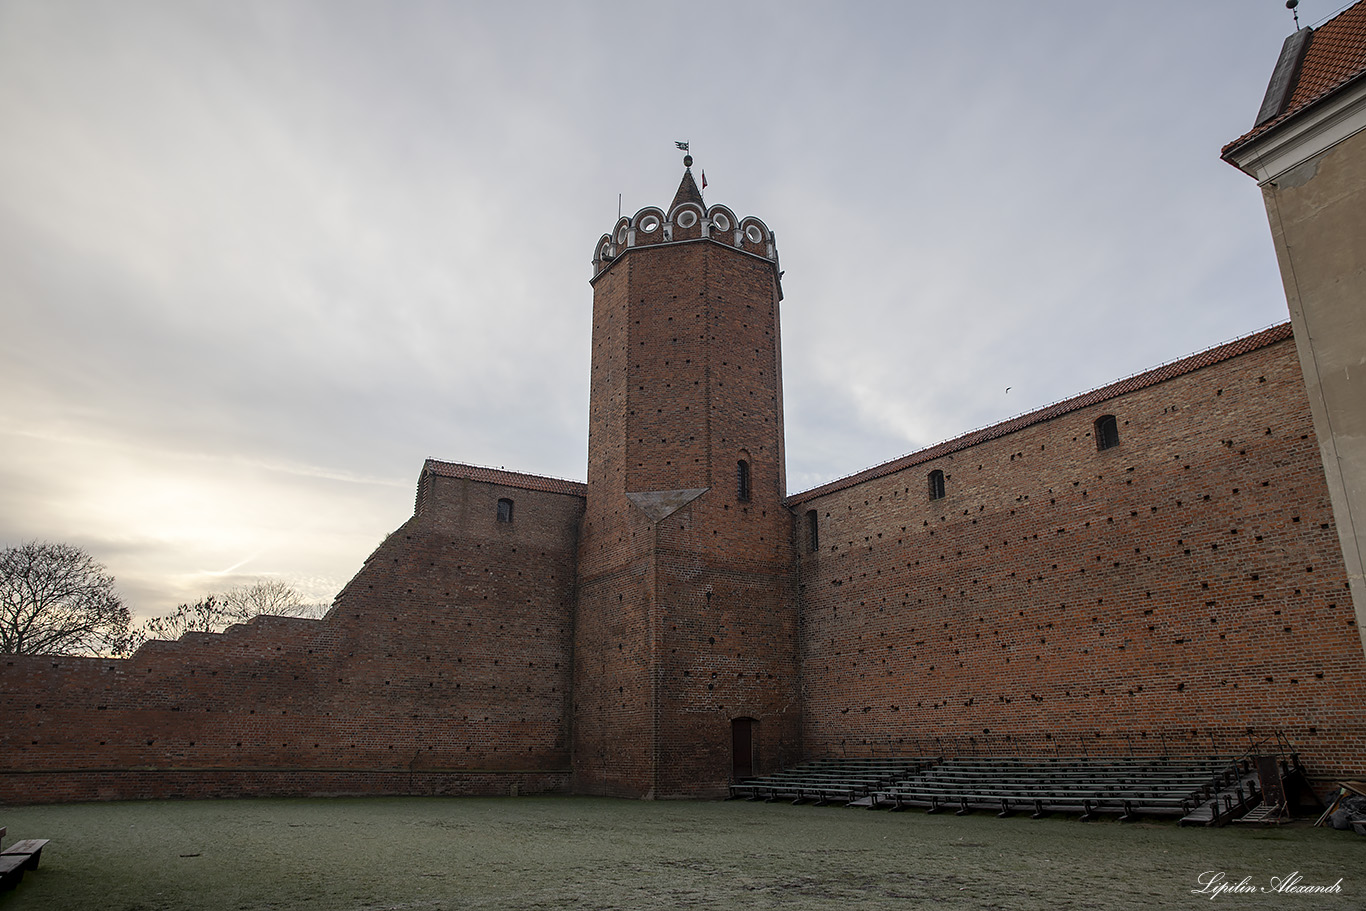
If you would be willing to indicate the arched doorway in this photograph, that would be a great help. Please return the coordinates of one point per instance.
(742, 748)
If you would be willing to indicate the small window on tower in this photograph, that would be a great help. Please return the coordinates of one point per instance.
(936, 485)
(813, 541)
(505, 510)
(742, 486)
(1107, 432)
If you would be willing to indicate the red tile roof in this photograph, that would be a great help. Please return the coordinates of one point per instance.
(1087, 399)
(1336, 57)
(505, 478)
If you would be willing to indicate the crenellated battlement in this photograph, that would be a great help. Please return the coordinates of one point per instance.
(686, 222)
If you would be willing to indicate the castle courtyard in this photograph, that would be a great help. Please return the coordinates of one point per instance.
(433, 854)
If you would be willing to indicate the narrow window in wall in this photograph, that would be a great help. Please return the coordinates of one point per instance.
(936, 485)
(505, 510)
(1107, 432)
(742, 481)
(813, 541)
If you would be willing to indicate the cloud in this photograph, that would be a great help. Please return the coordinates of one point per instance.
(258, 259)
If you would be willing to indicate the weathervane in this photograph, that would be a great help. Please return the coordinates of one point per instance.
(687, 159)
(1290, 5)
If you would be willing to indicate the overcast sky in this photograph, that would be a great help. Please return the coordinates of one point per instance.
(259, 259)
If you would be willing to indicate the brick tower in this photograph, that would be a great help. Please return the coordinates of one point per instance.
(685, 654)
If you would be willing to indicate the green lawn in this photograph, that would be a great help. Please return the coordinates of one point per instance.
(590, 853)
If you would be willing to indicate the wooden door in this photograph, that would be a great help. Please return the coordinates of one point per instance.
(742, 748)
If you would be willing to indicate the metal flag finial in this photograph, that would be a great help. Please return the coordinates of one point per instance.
(1290, 5)
(687, 159)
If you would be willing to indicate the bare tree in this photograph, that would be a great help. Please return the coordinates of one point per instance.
(264, 596)
(56, 600)
(314, 610)
(207, 615)
(214, 613)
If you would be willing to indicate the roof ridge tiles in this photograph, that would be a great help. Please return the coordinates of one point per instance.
(1336, 57)
(504, 477)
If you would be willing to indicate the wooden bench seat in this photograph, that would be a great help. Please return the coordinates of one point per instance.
(994, 794)
(11, 870)
(1066, 781)
(825, 776)
(1097, 788)
(827, 780)
(1005, 805)
(1075, 776)
(29, 850)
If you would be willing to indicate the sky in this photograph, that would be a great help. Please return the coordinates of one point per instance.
(259, 259)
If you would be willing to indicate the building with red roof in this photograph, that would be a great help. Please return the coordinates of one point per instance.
(1307, 151)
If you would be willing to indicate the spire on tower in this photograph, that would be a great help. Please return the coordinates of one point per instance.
(687, 191)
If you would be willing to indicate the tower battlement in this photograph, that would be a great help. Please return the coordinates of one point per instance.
(688, 220)
(685, 627)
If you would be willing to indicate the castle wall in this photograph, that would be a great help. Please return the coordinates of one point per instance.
(443, 668)
(615, 695)
(1182, 591)
(685, 621)
(676, 620)
(613, 714)
(728, 642)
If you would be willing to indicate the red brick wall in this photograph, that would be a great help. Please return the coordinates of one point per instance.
(444, 667)
(1180, 592)
(613, 721)
(1183, 590)
(728, 642)
(684, 622)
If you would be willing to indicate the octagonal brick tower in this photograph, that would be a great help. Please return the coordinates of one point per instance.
(685, 645)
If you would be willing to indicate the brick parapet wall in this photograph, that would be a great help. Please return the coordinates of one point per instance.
(1181, 589)
(445, 662)
(71, 785)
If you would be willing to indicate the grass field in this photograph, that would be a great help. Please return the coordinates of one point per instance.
(590, 853)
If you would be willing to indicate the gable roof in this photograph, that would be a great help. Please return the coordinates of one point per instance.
(1336, 57)
(504, 478)
(1127, 385)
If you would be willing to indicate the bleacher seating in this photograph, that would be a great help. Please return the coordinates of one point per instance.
(1127, 787)
(823, 781)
